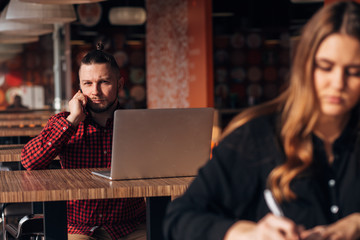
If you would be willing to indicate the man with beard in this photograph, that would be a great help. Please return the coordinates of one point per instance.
(82, 138)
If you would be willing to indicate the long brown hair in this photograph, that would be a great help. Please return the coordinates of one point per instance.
(298, 104)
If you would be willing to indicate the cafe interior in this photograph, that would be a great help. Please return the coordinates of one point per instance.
(233, 54)
(223, 54)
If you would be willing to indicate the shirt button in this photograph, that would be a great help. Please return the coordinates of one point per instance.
(64, 128)
(334, 209)
(100, 215)
(331, 182)
(105, 152)
(49, 143)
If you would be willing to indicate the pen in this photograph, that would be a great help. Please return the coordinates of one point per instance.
(272, 204)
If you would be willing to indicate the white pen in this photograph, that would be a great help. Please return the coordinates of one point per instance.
(272, 204)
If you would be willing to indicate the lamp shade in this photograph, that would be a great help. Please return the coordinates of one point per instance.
(9, 39)
(11, 48)
(62, 1)
(127, 16)
(18, 28)
(39, 13)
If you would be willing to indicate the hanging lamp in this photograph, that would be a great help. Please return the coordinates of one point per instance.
(127, 16)
(18, 28)
(40, 13)
(62, 1)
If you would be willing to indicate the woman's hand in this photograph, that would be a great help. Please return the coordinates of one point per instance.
(269, 227)
(347, 228)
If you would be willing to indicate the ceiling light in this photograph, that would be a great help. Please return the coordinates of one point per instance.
(18, 28)
(39, 13)
(127, 16)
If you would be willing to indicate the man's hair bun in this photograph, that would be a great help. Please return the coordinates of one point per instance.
(100, 46)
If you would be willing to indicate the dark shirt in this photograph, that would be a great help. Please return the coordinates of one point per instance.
(86, 146)
(230, 186)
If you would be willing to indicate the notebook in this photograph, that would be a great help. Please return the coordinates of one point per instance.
(155, 143)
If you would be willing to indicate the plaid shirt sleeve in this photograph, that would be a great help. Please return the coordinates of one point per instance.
(41, 150)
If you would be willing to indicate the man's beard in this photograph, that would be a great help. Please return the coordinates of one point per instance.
(101, 109)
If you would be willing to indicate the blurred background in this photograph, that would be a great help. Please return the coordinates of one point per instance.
(237, 52)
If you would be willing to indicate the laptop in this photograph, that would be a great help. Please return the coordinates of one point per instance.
(158, 143)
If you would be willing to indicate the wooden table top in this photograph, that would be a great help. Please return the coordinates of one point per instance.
(11, 152)
(18, 131)
(28, 123)
(23, 123)
(75, 184)
(24, 118)
(26, 115)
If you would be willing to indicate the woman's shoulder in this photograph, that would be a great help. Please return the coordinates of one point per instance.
(261, 125)
(255, 143)
(259, 131)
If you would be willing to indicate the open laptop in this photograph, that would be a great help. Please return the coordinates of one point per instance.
(154, 143)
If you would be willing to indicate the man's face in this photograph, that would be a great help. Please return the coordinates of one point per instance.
(100, 84)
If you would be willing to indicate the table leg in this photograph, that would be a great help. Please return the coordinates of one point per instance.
(55, 220)
(155, 212)
(37, 207)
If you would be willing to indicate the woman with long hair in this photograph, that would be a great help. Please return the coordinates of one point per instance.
(302, 146)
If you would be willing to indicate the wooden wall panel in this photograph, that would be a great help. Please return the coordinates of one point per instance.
(178, 54)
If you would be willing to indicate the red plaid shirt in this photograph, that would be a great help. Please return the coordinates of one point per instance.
(85, 146)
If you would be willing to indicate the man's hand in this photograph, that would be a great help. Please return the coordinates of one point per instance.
(76, 108)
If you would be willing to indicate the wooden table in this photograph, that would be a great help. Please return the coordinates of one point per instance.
(19, 131)
(20, 123)
(24, 123)
(30, 114)
(10, 152)
(54, 187)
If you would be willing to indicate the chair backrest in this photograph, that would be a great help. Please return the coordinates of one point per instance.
(32, 225)
(28, 225)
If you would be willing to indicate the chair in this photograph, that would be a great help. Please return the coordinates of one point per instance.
(20, 223)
